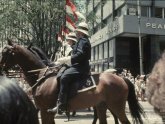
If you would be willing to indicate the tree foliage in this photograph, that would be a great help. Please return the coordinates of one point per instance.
(35, 21)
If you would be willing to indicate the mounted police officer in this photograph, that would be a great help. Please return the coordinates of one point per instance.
(78, 64)
(71, 41)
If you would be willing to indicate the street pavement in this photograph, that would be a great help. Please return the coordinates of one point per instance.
(85, 117)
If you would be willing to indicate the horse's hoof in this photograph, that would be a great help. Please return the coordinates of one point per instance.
(74, 114)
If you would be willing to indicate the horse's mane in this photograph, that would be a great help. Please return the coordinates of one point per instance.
(15, 106)
(38, 52)
(156, 85)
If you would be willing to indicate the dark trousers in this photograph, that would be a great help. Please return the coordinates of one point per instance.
(66, 80)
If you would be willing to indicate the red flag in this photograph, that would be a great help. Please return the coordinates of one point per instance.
(69, 3)
(71, 8)
(70, 24)
(64, 30)
(80, 15)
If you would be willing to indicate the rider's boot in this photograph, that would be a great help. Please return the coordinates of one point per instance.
(61, 104)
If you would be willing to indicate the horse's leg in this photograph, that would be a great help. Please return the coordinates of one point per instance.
(89, 109)
(163, 119)
(122, 117)
(115, 117)
(101, 113)
(95, 115)
(73, 113)
(47, 118)
(118, 109)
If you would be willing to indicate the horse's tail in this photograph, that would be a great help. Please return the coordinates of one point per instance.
(135, 108)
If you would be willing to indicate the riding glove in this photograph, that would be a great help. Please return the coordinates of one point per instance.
(65, 60)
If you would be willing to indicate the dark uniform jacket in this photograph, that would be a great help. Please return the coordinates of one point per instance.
(80, 57)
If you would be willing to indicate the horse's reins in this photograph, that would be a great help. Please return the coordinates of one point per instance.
(36, 70)
(38, 80)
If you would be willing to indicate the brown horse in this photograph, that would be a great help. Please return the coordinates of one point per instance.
(101, 106)
(111, 89)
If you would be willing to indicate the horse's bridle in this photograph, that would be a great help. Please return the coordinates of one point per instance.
(5, 59)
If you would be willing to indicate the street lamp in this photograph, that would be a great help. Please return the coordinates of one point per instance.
(140, 41)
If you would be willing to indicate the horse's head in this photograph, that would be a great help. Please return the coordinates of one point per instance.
(7, 57)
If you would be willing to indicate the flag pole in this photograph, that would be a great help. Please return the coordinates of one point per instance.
(140, 39)
(64, 26)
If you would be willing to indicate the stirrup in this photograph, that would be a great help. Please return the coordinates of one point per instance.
(53, 110)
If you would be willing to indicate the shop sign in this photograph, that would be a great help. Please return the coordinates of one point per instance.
(155, 25)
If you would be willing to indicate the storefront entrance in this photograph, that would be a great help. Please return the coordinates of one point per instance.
(127, 54)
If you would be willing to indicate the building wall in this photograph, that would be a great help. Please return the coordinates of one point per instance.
(120, 29)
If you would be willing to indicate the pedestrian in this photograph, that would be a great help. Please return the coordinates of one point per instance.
(71, 41)
(137, 86)
(78, 63)
(142, 87)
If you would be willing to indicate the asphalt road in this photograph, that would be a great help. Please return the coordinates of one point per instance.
(86, 117)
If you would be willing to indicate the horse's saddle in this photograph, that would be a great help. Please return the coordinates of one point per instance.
(80, 85)
(83, 83)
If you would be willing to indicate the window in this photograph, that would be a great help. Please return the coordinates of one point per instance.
(100, 68)
(96, 52)
(92, 54)
(111, 48)
(97, 68)
(145, 11)
(104, 2)
(101, 51)
(106, 50)
(105, 66)
(104, 22)
(132, 10)
(158, 13)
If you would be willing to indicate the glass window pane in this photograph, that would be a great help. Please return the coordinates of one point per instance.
(158, 13)
(101, 51)
(132, 10)
(96, 68)
(106, 50)
(105, 66)
(96, 52)
(144, 11)
(110, 48)
(100, 68)
(92, 54)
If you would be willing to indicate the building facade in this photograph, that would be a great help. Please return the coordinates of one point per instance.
(115, 33)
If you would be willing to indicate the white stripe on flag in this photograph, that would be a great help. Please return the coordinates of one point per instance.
(70, 26)
(80, 15)
(69, 10)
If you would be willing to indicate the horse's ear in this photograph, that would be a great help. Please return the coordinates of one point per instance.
(30, 45)
(10, 42)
